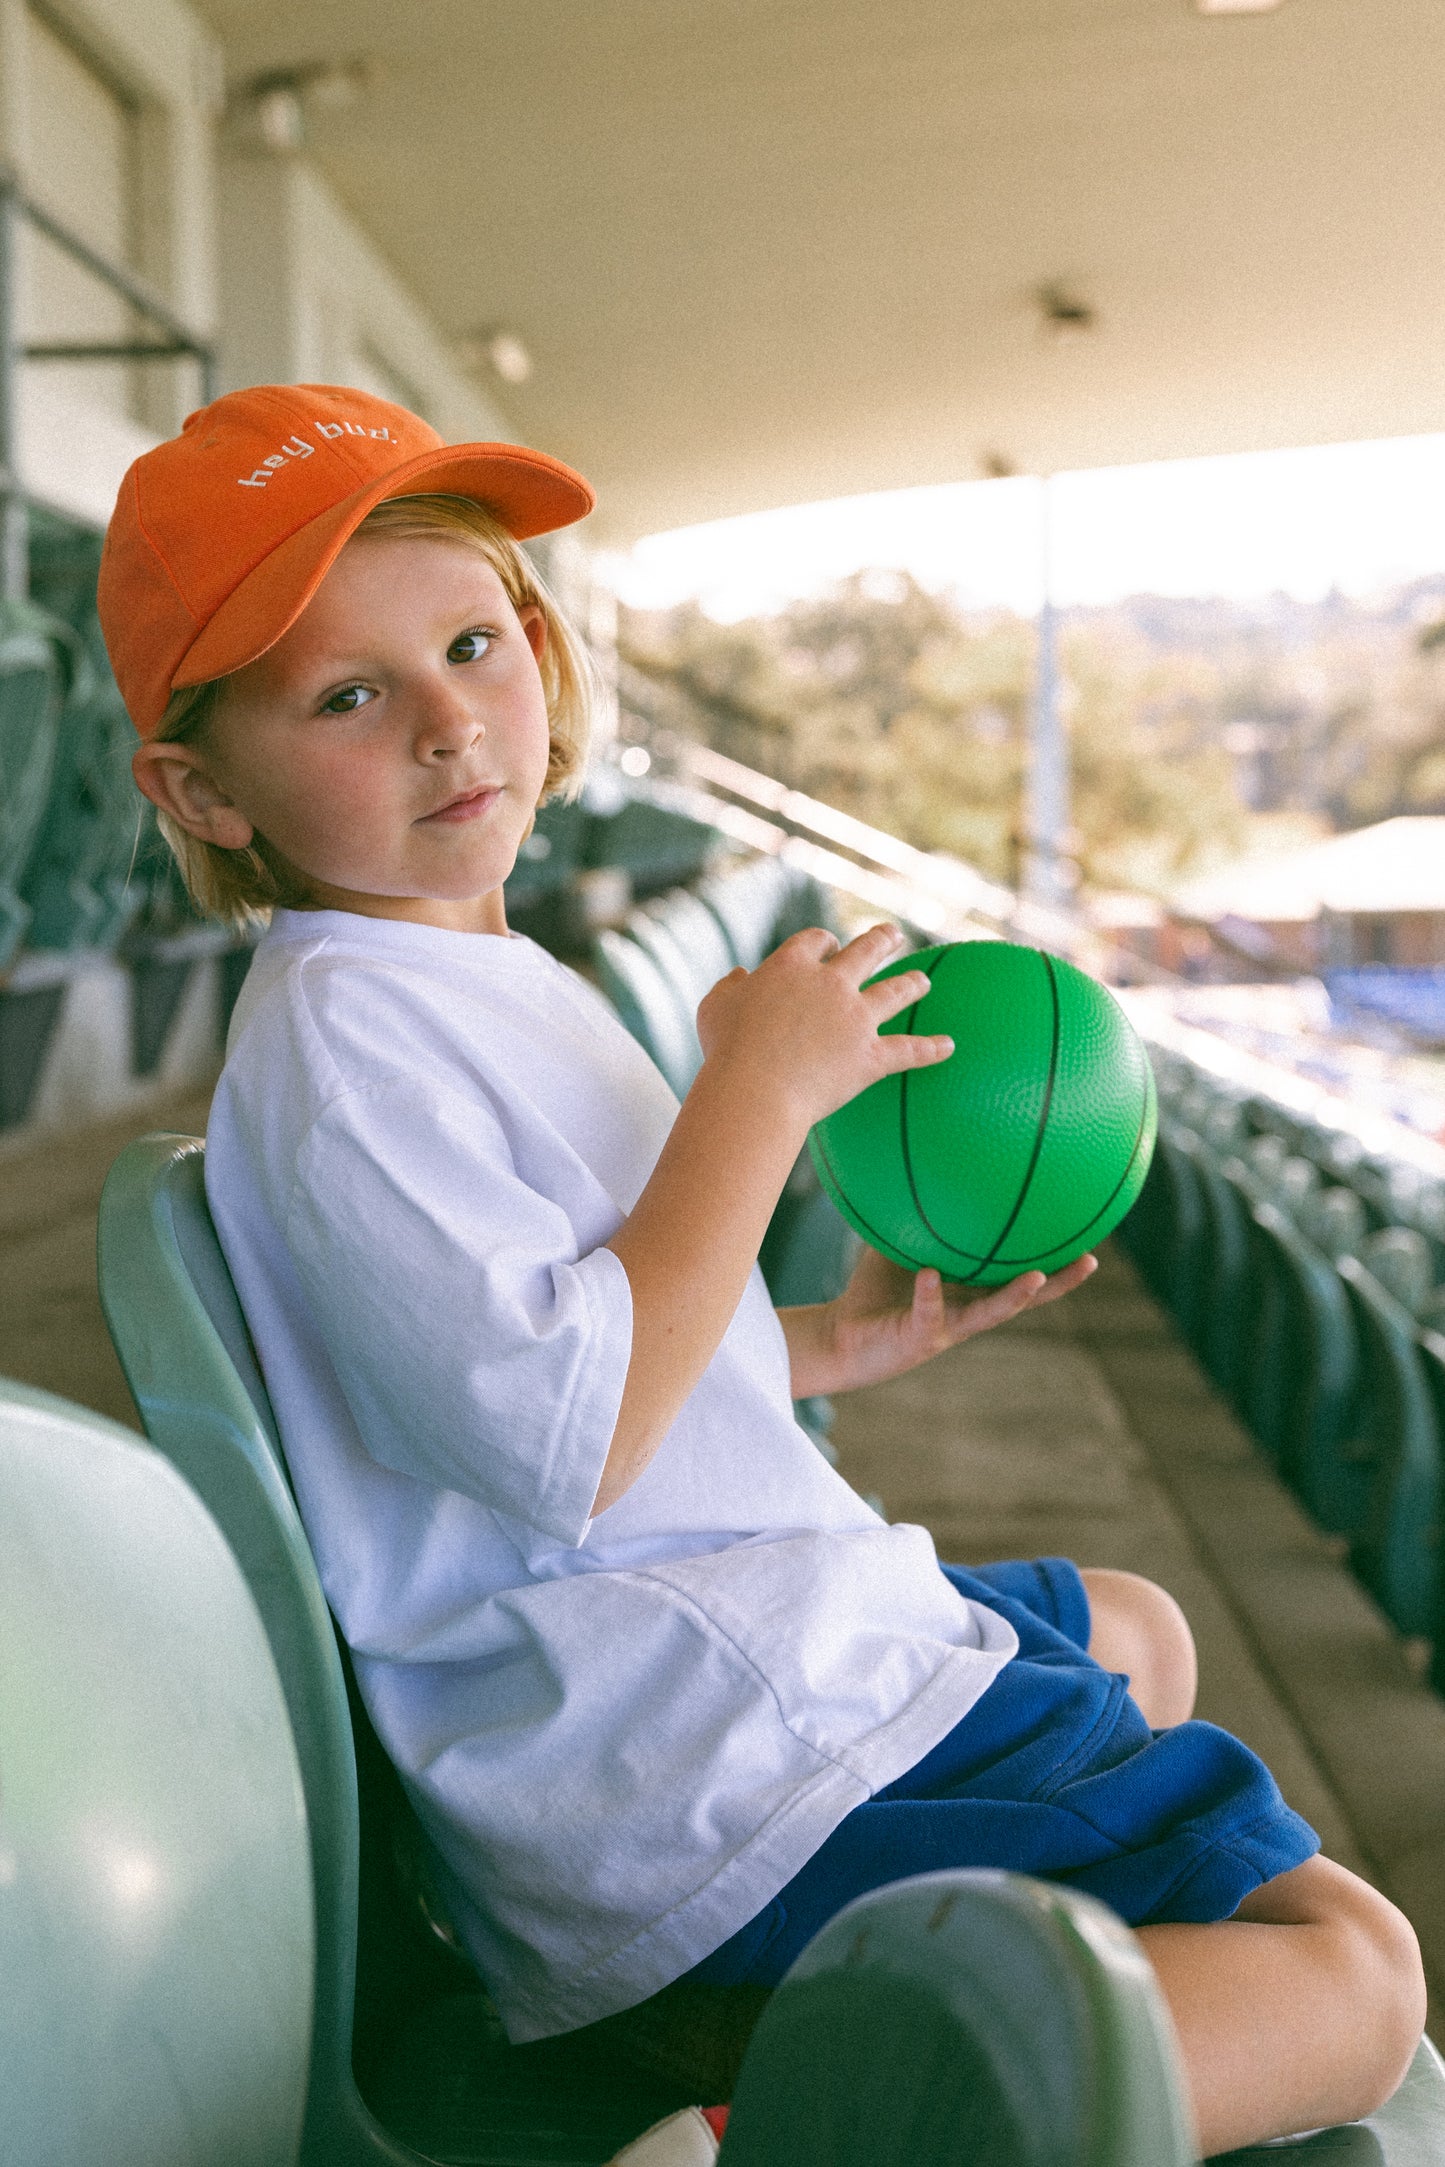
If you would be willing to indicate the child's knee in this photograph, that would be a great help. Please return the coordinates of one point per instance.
(1370, 1948)
(1139, 1629)
(1387, 1981)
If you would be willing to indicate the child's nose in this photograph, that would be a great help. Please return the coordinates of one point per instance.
(447, 723)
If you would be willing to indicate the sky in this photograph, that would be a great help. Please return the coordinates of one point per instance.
(1361, 517)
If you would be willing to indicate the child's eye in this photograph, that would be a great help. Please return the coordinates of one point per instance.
(470, 646)
(347, 700)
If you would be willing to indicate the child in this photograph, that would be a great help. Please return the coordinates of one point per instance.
(664, 1692)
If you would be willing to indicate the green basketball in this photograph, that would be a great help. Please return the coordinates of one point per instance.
(1020, 1151)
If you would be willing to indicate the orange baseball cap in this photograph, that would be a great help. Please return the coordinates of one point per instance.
(221, 536)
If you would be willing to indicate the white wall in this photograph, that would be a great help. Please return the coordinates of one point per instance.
(307, 299)
(110, 125)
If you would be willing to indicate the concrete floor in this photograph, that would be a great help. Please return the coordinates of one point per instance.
(1085, 1430)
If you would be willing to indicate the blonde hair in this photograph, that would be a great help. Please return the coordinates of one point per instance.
(244, 886)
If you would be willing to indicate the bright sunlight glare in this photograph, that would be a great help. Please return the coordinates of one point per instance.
(1359, 517)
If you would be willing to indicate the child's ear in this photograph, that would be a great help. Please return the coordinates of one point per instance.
(176, 780)
(533, 620)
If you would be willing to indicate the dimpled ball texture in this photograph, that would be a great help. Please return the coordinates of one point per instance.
(1019, 1152)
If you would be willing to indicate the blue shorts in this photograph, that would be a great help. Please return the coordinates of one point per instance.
(1053, 1772)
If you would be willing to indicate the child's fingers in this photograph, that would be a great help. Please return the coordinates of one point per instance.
(1064, 1282)
(985, 1311)
(888, 997)
(906, 1049)
(868, 953)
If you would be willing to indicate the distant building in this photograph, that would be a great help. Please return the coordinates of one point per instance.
(1376, 895)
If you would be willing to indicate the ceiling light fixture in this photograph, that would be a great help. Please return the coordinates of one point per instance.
(496, 348)
(271, 110)
(1236, 7)
(1064, 315)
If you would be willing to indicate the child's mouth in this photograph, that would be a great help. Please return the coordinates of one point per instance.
(462, 808)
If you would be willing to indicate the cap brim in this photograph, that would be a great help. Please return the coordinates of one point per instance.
(527, 492)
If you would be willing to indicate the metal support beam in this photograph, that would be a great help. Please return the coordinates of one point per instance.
(176, 342)
(1048, 873)
(14, 515)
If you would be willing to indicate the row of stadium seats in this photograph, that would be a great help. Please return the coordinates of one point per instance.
(1308, 1279)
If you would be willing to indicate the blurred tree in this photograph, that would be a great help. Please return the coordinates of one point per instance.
(889, 703)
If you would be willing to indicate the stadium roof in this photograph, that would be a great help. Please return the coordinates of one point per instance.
(766, 251)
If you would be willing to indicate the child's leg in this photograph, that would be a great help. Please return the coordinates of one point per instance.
(1138, 1629)
(1303, 2009)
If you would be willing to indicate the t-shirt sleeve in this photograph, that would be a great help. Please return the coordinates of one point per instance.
(476, 1348)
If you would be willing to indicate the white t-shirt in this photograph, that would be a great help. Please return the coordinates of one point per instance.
(623, 1734)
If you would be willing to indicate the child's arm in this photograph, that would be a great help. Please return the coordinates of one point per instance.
(784, 1045)
(888, 1320)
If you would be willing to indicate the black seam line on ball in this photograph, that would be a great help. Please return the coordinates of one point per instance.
(971, 1256)
(880, 1241)
(1065, 1241)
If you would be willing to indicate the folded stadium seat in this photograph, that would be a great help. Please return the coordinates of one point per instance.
(747, 900)
(1334, 1219)
(155, 1902)
(693, 956)
(1164, 1231)
(1264, 1155)
(1188, 1259)
(806, 902)
(75, 880)
(1297, 1366)
(1394, 1444)
(1296, 1180)
(1400, 1258)
(651, 1005)
(658, 846)
(696, 931)
(1223, 1128)
(1222, 1263)
(39, 660)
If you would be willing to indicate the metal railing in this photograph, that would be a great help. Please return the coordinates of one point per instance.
(175, 340)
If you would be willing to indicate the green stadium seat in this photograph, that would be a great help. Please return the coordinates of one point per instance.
(1223, 1259)
(155, 1894)
(747, 902)
(1297, 1372)
(76, 878)
(183, 1345)
(1394, 1446)
(698, 934)
(963, 2018)
(1400, 1258)
(39, 662)
(650, 1005)
(1164, 1232)
(1335, 1220)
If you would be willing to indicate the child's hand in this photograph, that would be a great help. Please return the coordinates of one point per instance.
(803, 1028)
(888, 1320)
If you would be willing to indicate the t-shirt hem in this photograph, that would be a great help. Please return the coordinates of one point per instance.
(753, 1876)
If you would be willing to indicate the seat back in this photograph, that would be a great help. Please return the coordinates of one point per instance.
(155, 1876)
(964, 2016)
(747, 903)
(1397, 1445)
(698, 935)
(650, 1005)
(1296, 1375)
(183, 1345)
(1223, 1260)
